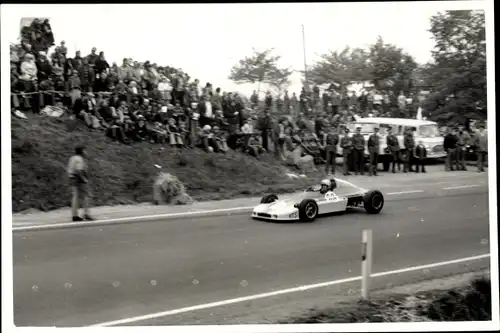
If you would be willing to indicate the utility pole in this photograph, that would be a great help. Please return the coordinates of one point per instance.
(304, 50)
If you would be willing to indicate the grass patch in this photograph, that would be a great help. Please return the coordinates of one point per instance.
(121, 174)
(469, 303)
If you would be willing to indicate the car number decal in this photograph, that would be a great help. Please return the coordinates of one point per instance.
(330, 196)
(293, 215)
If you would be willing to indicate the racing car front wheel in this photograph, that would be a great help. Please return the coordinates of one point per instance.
(269, 198)
(373, 202)
(308, 210)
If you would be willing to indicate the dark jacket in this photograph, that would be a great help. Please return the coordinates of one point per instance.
(358, 141)
(420, 152)
(346, 143)
(393, 143)
(409, 142)
(450, 141)
(374, 143)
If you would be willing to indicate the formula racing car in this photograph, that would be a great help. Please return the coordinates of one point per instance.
(331, 196)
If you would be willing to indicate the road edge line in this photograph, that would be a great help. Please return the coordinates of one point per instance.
(134, 219)
(282, 292)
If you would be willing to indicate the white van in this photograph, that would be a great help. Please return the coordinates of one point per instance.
(424, 130)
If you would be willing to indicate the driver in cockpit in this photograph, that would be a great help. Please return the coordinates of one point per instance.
(328, 185)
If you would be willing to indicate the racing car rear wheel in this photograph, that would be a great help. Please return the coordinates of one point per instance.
(308, 210)
(269, 198)
(373, 202)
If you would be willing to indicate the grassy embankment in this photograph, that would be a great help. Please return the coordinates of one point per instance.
(122, 174)
(468, 303)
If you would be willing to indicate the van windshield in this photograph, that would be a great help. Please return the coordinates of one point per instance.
(429, 131)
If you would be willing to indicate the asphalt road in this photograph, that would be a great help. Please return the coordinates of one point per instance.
(84, 276)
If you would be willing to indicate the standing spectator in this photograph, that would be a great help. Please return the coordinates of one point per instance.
(63, 49)
(286, 103)
(402, 104)
(393, 145)
(346, 144)
(269, 101)
(293, 105)
(481, 145)
(74, 88)
(358, 142)
(39, 43)
(180, 84)
(330, 142)
(254, 99)
(87, 76)
(93, 57)
(74, 64)
(44, 68)
(374, 149)
(100, 64)
(28, 79)
(420, 156)
(217, 100)
(78, 176)
(206, 111)
(165, 88)
(409, 144)
(265, 125)
(450, 146)
(463, 141)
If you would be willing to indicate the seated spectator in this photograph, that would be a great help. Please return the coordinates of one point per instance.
(44, 68)
(185, 134)
(302, 158)
(220, 140)
(254, 146)
(102, 83)
(140, 132)
(207, 141)
(159, 133)
(106, 114)
(175, 137)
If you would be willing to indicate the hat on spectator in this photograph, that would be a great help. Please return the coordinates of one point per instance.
(90, 94)
(207, 128)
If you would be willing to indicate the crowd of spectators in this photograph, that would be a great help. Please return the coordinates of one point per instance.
(134, 102)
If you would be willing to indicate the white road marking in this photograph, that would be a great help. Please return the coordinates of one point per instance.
(405, 192)
(128, 219)
(458, 187)
(281, 292)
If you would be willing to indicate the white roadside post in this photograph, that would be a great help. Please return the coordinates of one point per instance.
(366, 264)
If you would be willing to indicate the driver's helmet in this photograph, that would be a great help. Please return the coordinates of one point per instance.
(333, 184)
(325, 186)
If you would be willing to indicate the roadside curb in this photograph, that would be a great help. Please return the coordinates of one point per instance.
(135, 219)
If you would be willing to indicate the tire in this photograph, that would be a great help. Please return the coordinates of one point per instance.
(269, 198)
(373, 202)
(305, 213)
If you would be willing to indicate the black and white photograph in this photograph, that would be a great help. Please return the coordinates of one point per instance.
(249, 167)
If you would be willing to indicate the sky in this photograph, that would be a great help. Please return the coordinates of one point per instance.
(206, 40)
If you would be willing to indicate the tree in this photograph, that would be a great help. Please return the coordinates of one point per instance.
(279, 79)
(391, 67)
(384, 65)
(342, 68)
(458, 71)
(261, 67)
